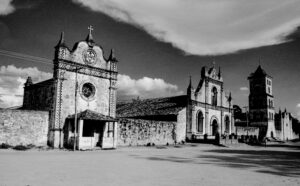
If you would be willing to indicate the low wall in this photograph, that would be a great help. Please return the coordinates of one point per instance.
(134, 132)
(24, 127)
(254, 131)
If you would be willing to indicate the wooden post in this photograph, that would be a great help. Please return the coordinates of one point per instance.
(75, 118)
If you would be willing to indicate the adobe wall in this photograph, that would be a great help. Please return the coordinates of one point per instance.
(24, 127)
(134, 132)
(181, 126)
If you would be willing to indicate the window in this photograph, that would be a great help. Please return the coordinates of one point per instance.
(199, 125)
(227, 124)
(214, 96)
(88, 91)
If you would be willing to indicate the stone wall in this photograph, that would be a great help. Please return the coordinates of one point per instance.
(24, 127)
(134, 132)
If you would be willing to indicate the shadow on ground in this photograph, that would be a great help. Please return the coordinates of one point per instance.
(276, 162)
(283, 163)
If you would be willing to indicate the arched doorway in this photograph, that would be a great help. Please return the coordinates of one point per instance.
(227, 124)
(272, 134)
(215, 127)
(199, 125)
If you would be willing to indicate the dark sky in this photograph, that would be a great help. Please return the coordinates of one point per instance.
(35, 26)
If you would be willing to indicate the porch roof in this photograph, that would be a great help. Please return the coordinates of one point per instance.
(91, 115)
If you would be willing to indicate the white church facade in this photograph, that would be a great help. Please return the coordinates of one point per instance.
(209, 109)
(81, 96)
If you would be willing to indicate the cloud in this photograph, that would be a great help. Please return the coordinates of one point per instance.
(298, 105)
(207, 27)
(6, 7)
(244, 89)
(12, 81)
(144, 88)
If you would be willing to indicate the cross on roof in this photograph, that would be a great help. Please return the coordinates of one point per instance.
(90, 29)
(214, 62)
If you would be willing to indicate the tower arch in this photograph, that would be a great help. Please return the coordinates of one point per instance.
(214, 123)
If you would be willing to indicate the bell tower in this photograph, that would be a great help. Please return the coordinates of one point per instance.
(261, 102)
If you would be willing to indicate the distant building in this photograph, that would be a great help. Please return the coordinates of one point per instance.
(261, 102)
(284, 126)
(261, 116)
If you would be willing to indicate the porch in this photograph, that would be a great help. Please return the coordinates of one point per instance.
(94, 130)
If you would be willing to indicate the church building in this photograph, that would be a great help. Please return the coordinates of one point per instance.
(203, 113)
(81, 96)
(209, 110)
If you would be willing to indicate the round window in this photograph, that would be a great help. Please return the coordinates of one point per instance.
(88, 90)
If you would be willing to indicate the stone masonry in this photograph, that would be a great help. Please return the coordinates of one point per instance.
(134, 132)
(24, 127)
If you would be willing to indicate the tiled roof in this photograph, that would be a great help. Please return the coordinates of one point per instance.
(91, 115)
(152, 107)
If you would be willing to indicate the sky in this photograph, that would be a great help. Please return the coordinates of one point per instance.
(159, 43)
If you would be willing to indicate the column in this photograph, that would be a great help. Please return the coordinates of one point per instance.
(80, 130)
(115, 140)
(206, 122)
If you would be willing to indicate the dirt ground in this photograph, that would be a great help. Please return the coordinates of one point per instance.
(191, 164)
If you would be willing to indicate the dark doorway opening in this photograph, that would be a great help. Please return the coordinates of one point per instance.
(214, 127)
(94, 128)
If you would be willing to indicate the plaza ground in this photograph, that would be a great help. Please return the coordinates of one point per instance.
(191, 164)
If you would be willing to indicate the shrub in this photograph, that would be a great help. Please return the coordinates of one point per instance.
(23, 147)
(4, 146)
(20, 147)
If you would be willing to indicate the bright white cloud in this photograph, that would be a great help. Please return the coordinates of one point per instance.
(298, 105)
(12, 81)
(244, 89)
(145, 88)
(6, 7)
(207, 27)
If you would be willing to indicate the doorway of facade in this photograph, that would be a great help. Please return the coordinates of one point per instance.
(214, 127)
(272, 134)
